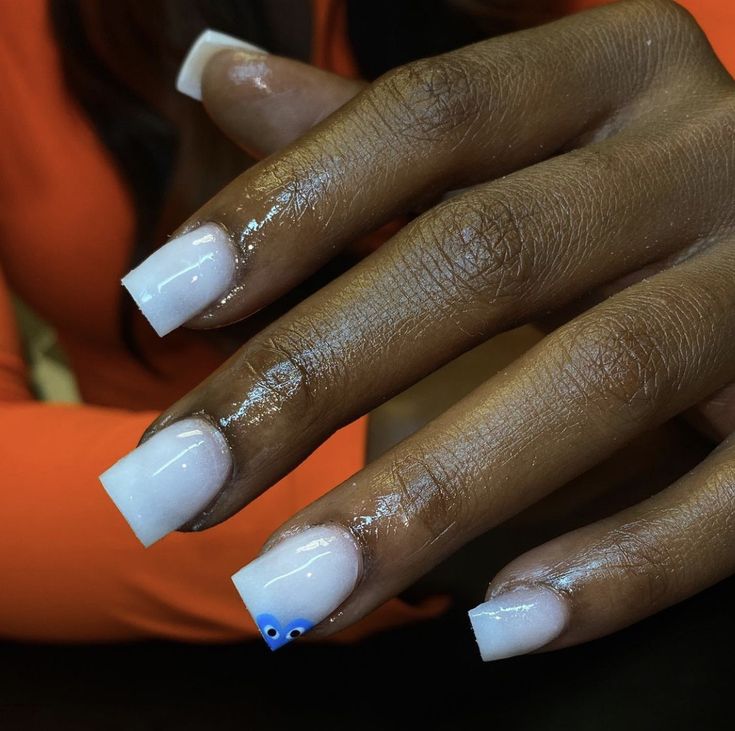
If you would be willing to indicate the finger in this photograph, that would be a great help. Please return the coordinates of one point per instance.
(715, 417)
(608, 575)
(621, 369)
(264, 102)
(432, 126)
(480, 263)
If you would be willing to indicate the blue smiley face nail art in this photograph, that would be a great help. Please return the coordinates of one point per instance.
(308, 574)
(277, 635)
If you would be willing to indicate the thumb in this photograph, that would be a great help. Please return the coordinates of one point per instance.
(260, 101)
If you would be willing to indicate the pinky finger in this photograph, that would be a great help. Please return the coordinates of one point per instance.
(603, 577)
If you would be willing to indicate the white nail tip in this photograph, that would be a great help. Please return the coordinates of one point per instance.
(183, 277)
(169, 478)
(299, 582)
(210, 42)
(518, 622)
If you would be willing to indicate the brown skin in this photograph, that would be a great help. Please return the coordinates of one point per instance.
(603, 151)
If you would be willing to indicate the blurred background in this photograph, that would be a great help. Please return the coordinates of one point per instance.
(673, 671)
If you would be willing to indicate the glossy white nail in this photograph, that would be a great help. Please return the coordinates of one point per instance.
(183, 277)
(210, 42)
(299, 582)
(517, 622)
(169, 478)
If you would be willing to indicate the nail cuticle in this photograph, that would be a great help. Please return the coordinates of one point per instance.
(201, 521)
(166, 480)
(210, 317)
(184, 277)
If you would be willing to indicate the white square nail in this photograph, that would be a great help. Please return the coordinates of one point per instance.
(185, 276)
(299, 582)
(517, 622)
(210, 42)
(169, 478)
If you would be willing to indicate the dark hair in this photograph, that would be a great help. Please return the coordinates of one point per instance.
(141, 141)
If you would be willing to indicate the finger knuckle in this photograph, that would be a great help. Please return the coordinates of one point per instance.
(426, 100)
(676, 30)
(500, 235)
(640, 554)
(668, 17)
(662, 41)
(482, 253)
(432, 493)
(619, 358)
(721, 488)
(292, 370)
(292, 185)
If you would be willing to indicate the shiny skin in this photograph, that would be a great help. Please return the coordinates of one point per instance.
(599, 152)
(277, 634)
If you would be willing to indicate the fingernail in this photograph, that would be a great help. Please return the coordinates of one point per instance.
(520, 621)
(169, 478)
(299, 582)
(210, 42)
(183, 277)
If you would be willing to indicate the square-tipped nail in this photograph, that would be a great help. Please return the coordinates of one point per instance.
(299, 582)
(169, 478)
(183, 277)
(189, 80)
(517, 622)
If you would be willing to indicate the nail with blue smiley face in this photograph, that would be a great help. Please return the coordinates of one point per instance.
(299, 582)
(276, 635)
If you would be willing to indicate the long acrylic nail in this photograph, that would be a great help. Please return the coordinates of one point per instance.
(517, 622)
(183, 277)
(210, 42)
(169, 478)
(299, 582)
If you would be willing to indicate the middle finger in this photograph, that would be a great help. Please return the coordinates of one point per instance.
(429, 127)
(481, 262)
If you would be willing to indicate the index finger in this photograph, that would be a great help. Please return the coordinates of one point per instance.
(434, 125)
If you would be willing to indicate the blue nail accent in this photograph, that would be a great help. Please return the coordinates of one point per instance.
(277, 635)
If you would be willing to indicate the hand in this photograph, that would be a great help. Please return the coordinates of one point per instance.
(599, 153)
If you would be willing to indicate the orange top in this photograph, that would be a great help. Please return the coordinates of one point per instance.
(70, 565)
(66, 233)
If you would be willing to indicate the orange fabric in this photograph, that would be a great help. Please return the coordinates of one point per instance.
(330, 45)
(70, 567)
